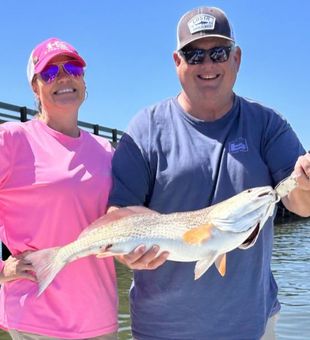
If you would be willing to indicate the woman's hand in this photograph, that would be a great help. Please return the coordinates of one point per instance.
(16, 267)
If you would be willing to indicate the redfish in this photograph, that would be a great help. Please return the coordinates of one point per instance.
(204, 235)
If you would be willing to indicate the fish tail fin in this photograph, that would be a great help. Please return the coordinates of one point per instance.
(46, 265)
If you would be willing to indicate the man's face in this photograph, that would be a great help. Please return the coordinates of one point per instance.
(208, 80)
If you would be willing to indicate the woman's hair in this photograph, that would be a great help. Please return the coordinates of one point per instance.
(38, 105)
(37, 99)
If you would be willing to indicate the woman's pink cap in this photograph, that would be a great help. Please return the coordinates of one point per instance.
(47, 50)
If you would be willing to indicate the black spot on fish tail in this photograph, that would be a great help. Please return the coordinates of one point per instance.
(108, 246)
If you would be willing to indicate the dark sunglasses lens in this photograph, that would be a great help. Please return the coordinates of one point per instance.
(198, 55)
(49, 73)
(219, 54)
(74, 68)
(194, 57)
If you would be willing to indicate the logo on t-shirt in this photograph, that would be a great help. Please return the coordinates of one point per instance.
(238, 145)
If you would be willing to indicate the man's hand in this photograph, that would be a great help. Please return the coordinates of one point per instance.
(298, 200)
(141, 259)
(302, 172)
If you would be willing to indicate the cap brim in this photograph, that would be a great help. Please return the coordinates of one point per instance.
(203, 37)
(41, 64)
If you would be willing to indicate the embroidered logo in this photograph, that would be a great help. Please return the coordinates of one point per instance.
(201, 22)
(238, 145)
(57, 45)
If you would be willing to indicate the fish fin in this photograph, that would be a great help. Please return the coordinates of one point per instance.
(138, 209)
(103, 255)
(203, 265)
(108, 254)
(115, 215)
(46, 265)
(220, 264)
(198, 234)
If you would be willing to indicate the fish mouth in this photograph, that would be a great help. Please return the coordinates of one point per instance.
(266, 193)
(275, 196)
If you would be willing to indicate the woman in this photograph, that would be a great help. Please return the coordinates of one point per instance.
(54, 181)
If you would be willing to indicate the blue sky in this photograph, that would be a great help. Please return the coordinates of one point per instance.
(128, 46)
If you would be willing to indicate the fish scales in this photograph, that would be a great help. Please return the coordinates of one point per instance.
(203, 236)
(140, 227)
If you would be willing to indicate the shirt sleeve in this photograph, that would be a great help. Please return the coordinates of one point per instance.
(281, 147)
(131, 169)
(131, 175)
(5, 168)
(5, 161)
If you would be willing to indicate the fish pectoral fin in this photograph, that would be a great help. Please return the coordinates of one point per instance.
(203, 265)
(198, 234)
(220, 264)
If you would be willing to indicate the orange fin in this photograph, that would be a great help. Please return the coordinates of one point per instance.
(198, 234)
(220, 264)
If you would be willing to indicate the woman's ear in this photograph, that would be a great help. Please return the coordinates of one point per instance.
(35, 88)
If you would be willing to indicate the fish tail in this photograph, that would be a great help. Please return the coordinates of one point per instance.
(46, 265)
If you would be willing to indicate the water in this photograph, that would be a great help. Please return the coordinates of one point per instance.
(291, 267)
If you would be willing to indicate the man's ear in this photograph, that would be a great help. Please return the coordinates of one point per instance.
(237, 57)
(176, 58)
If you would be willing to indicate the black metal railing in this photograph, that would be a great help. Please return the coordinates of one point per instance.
(9, 112)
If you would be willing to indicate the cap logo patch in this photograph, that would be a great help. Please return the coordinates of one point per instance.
(56, 45)
(201, 22)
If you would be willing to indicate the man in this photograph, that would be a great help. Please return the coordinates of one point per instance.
(192, 151)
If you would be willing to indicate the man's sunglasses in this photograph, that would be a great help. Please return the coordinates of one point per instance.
(72, 67)
(194, 56)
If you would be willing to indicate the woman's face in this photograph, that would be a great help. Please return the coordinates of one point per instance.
(65, 92)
